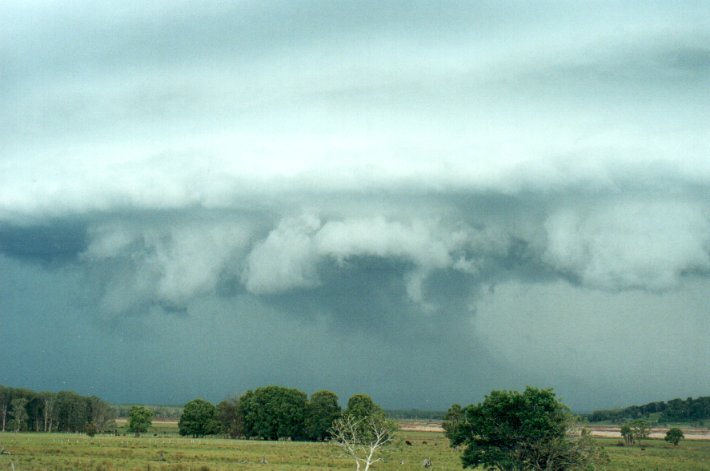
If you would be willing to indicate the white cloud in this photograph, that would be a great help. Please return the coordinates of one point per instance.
(507, 109)
(149, 262)
(622, 244)
(192, 260)
(419, 242)
(285, 260)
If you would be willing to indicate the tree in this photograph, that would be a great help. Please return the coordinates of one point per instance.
(65, 411)
(100, 414)
(640, 428)
(35, 412)
(576, 450)
(627, 434)
(19, 413)
(5, 398)
(274, 412)
(362, 437)
(49, 415)
(71, 412)
(198, 419)
(140, 418)
(321, 411)
(454, 423)
(230, 417)
(361, 405)
(635, 431)
(510, 430)
(674, 436)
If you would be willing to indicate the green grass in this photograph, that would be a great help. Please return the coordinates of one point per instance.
(36, 451)
(690, 455)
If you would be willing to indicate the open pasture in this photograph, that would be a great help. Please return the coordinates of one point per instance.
(656, 454)
(37, 451)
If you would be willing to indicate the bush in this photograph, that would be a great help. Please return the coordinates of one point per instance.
(674, 436)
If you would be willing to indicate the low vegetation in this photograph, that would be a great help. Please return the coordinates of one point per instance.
(170, 452)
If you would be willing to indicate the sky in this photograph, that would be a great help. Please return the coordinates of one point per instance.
(422, 201)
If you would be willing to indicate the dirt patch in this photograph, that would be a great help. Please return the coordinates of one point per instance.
(656, 432)
(421, 426)
(606, 431)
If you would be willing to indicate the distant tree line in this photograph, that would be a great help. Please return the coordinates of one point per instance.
(676, 410)
(24, 410)
(272, 413)
(159, 412)
(416, 414)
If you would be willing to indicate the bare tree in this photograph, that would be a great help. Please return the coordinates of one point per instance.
(362, 439)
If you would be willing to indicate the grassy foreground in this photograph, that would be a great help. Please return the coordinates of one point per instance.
(170, 452)
(37, 451)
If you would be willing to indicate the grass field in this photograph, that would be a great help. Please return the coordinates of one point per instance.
(167, 451)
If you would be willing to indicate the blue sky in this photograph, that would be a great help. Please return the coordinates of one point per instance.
(420, 201)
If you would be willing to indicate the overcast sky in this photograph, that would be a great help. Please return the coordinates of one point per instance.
(423, 201)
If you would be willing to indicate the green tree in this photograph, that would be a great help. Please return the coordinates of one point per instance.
(140, 418)
(321, 411)
(19, 413)
(674, 436)
(5, 398)
(72, 414)
(627, 434)
(361, 405)
(230, 417)
(454, 423)
(100, 413)
(635, 431)
(198, 419)
(90, 429)
(510, 430)
(49, 411)
(274, 412)
(35, 412)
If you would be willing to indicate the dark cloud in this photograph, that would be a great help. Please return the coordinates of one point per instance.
(423, 203)
(693, 60)
(52, 241)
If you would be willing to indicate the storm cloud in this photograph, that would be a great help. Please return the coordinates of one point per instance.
(421, 202)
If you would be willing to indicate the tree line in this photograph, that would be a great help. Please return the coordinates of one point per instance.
(675, 410)
(159, 412)
(278, 413)
(66, 411)
(273, 413)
